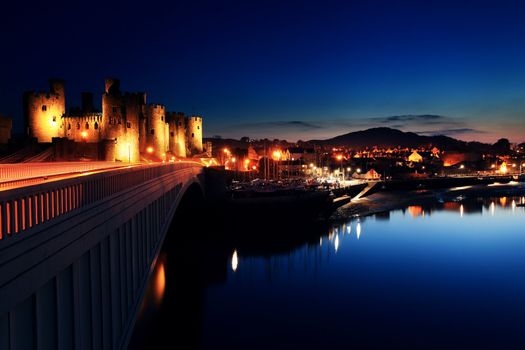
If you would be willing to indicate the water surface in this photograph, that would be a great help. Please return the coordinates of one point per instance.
(446, 275)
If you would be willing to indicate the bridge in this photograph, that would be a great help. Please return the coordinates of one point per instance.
(76, 253)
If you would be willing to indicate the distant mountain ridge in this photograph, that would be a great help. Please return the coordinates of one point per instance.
(388, 137)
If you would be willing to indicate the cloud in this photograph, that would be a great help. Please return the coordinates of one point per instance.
(322, 128)
(289, 124)
(414, 117)
(450, 132)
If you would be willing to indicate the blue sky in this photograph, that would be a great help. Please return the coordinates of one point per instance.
(287, 69)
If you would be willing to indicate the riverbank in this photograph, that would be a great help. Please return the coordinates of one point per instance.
(391, 200)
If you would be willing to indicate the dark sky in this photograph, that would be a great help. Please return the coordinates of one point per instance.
(295, 70)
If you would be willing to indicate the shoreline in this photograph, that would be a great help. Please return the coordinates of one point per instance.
(387, 201)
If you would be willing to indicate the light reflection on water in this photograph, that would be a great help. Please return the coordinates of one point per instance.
(429, 276)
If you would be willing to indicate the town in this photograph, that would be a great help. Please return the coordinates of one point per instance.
(336, 163)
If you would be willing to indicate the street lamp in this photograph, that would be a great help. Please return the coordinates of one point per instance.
(340, 159)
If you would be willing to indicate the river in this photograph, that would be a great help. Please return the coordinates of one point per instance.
(440, 276)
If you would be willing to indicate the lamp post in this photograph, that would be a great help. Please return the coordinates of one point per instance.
(340, 159)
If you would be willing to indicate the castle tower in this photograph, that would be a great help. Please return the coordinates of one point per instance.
(194, 135)
(43, 111)
(121, 114)
(177, 134)
(156, 129)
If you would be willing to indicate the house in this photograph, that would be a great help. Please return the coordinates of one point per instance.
(415, 157)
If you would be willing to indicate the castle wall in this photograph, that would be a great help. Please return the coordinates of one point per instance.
(156, 129)
(194, 135)
(43, 111)
(85, 128)
(177, 134)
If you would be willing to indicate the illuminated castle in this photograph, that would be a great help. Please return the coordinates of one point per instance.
(126, 128)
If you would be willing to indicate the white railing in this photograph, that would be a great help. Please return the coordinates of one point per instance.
(23, 208)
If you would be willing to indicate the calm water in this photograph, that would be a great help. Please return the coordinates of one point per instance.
(449, 275)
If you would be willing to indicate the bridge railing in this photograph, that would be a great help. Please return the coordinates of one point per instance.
(23, 208)
(13, 172)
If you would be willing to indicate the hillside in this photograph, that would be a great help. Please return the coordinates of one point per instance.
(387, 137)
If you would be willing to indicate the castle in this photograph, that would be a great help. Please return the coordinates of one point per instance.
(127, 129)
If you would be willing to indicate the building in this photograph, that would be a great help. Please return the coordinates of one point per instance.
(415, 157)
(127, 128)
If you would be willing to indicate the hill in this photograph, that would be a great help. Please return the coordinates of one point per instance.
(387, 137)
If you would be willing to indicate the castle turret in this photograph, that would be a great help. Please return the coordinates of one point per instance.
(177, 134)
(156, 130)
(43, 111)
(194, 135)
(112, 86)
(121, 114)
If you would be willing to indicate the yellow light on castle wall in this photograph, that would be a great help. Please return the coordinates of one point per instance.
(149, 149)
(276, 155)
(83, 134)
(503, 168)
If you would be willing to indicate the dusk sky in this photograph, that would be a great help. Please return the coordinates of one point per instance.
(283, 69)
